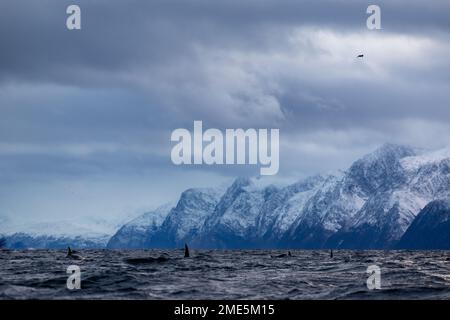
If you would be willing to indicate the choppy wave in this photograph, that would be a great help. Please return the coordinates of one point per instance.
(227, 274)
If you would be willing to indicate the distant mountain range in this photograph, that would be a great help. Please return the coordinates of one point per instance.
(87, 233)
(395, 197)
(370, 206)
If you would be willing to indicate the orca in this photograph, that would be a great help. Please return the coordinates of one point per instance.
(137, 261)
(71, 254)
(283, 255)
(186, 251)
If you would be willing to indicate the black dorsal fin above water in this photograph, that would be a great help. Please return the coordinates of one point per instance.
(186, 251)
(147, 260)
(72, 254)
(282, 255)
(331, 253)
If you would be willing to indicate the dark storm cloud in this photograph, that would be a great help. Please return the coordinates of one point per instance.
(140, 65)
(123, 35)
(103, 100)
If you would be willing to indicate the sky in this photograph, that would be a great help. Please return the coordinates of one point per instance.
(86, 115)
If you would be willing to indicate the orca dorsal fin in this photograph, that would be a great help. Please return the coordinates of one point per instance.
(186, 251)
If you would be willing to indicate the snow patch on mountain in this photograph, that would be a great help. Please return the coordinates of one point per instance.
(370, 205)
(414, 163)
(135, 233)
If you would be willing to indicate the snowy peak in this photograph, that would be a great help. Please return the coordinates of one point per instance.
(196, 198)
(155, 217)
(184, 222)
(398, 188)
(135, 233)
(389, 151)
(380, 169)
(370, 205)
(414, 163)
(234, 219)
(241, 182)
(285, 206)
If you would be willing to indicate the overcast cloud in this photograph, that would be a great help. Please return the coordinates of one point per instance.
(86, 115)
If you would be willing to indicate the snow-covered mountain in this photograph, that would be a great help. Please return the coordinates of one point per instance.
(184, 222)
(134, 234)
(232, 223)
(86, 232)
(430, 229)
(26, 241)
(411, 182)
(342, 200)
(285, 207)
(368, 206)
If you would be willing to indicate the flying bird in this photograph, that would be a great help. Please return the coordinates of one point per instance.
(360, 56)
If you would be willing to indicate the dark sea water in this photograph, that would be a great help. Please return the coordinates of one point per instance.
(234, 274)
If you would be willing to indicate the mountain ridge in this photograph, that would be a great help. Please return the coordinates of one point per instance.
(371, 205)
